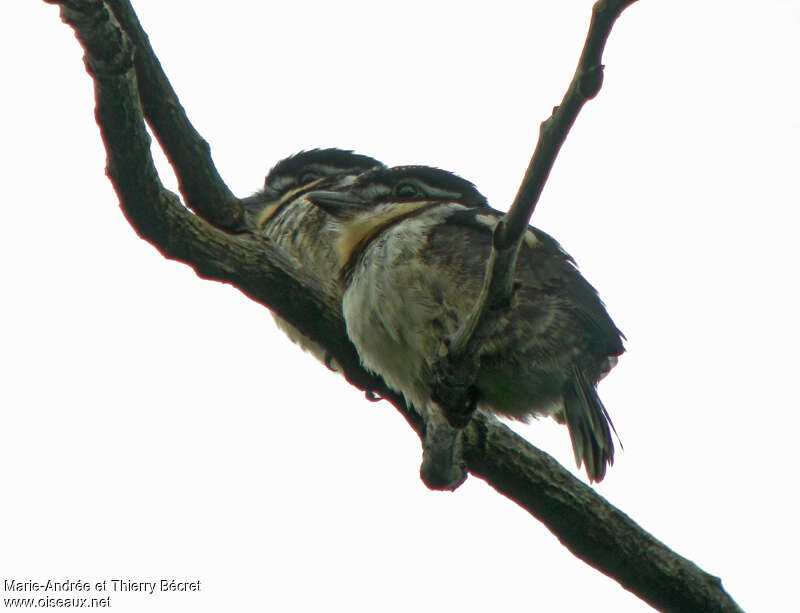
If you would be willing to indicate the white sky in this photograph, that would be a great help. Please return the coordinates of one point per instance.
(155, 425)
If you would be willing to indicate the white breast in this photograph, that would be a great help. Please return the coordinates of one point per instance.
(390, 308)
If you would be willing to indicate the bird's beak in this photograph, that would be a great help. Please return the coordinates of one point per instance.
(260, 207)
(253, 204)
(266, 209)
(342, 205)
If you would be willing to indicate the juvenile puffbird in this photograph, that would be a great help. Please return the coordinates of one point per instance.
(281, 212)
(412, 250)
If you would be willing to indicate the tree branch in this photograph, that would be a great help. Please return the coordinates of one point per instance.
(591, 528)
(200, 184)
(583, 521)
(247, 261)
(584, 86)
(459, 364)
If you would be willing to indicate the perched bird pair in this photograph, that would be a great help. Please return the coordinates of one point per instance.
(411, 245)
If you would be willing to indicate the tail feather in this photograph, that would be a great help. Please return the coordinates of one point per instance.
(589, 426)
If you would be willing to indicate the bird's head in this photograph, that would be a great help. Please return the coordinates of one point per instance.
(291, 178)
(395, 191)
(381, 198)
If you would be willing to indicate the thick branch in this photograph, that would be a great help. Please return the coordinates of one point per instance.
(590, 527)
(200, 184)
(249, 262)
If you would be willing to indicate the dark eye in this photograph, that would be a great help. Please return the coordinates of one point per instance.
(307, 176)
(406, 190)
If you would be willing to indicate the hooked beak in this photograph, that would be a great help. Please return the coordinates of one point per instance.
(342, 205)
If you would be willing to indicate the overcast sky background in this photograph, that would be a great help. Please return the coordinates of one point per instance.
(155, 425)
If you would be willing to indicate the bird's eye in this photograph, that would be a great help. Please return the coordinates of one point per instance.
(406, 190)
(307, 176)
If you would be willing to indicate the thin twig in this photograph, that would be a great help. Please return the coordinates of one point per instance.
(584, 86)
(459, 363)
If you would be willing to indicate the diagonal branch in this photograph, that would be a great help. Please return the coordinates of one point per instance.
(200, 184)
(583, 521)
(459, 366)
(585, 85)
(247, 261)
(588, 525)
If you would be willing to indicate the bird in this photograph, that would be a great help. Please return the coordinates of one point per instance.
(280, 212)
(412, 247)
